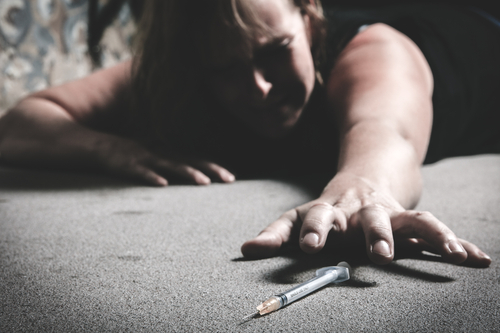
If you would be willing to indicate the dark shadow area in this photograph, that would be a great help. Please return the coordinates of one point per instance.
(24, 179)
(413, 273)
(21, 179)
(356, 257)
(303, 262)
(290, 274)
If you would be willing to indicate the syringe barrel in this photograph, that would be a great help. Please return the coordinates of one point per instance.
(307, 287)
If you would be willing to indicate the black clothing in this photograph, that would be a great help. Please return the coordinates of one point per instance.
(311, 146)
(463, 50)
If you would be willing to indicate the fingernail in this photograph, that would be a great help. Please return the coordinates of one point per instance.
(484, 255)
(204, 180)
(229, 177)
(455, 247)
(311, 239)
(382, 248)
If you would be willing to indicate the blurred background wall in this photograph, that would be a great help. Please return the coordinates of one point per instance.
(45, 42)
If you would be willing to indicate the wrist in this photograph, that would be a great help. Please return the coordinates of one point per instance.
(359, 190)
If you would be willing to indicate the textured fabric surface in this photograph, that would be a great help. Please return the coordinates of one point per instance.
(89, 253)
(44, 43)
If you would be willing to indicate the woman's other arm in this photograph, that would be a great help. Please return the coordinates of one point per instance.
(68, 126)
(381, 92)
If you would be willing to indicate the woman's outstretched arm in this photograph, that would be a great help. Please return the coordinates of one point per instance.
(68, 126)
(380, 91)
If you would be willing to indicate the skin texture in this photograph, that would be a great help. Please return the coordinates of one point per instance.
(379, 94)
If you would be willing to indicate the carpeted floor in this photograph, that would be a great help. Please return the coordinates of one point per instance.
(89, 253)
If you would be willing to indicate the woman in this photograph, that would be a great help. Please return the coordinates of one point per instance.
(241, 86)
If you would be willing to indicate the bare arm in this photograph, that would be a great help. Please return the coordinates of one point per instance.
(57, 126)
(69, 126)
(380, 90)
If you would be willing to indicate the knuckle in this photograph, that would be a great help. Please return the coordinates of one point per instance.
(322, 205)
(442, 231)
(421, 215)
(372, 214)
(380, 229)
(290, 215)
(373, 207)
(439, 229)
(313, 222)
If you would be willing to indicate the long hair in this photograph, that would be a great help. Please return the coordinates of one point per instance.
(175, 39)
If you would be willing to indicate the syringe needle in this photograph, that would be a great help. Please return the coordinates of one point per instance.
(250, 316)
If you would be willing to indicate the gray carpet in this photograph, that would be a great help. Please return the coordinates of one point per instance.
(88, 253)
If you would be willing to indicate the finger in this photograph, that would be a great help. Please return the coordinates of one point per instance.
(414, 224)
(415, 245)
(317, 223)
(376, 225)
(182, 170)
(271, 239)
(215, 170)
(475, 257)
(144, 174)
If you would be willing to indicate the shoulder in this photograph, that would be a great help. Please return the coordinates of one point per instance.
(382, 40)
(379, 53)
(376, 32)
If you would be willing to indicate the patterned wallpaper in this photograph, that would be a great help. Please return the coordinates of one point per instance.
(44, 43)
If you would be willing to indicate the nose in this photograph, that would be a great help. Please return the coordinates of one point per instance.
(261, 86)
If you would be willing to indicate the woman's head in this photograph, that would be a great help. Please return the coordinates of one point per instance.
(256, 58)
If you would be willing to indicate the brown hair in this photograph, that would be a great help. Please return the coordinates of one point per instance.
(174, 42)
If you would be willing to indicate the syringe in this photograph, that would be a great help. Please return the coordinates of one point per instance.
(324, 276)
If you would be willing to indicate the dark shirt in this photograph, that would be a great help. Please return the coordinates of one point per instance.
(462, 48)
(311, 146)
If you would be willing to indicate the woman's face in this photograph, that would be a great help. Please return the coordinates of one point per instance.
(269, 89)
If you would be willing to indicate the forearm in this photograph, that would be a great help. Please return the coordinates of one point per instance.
(56, 126)
(380, 92)
(41, 133)
(376, 152)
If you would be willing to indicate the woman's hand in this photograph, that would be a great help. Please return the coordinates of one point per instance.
(350, 210)
(40, 132)
(128, 159)
(380, 93)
